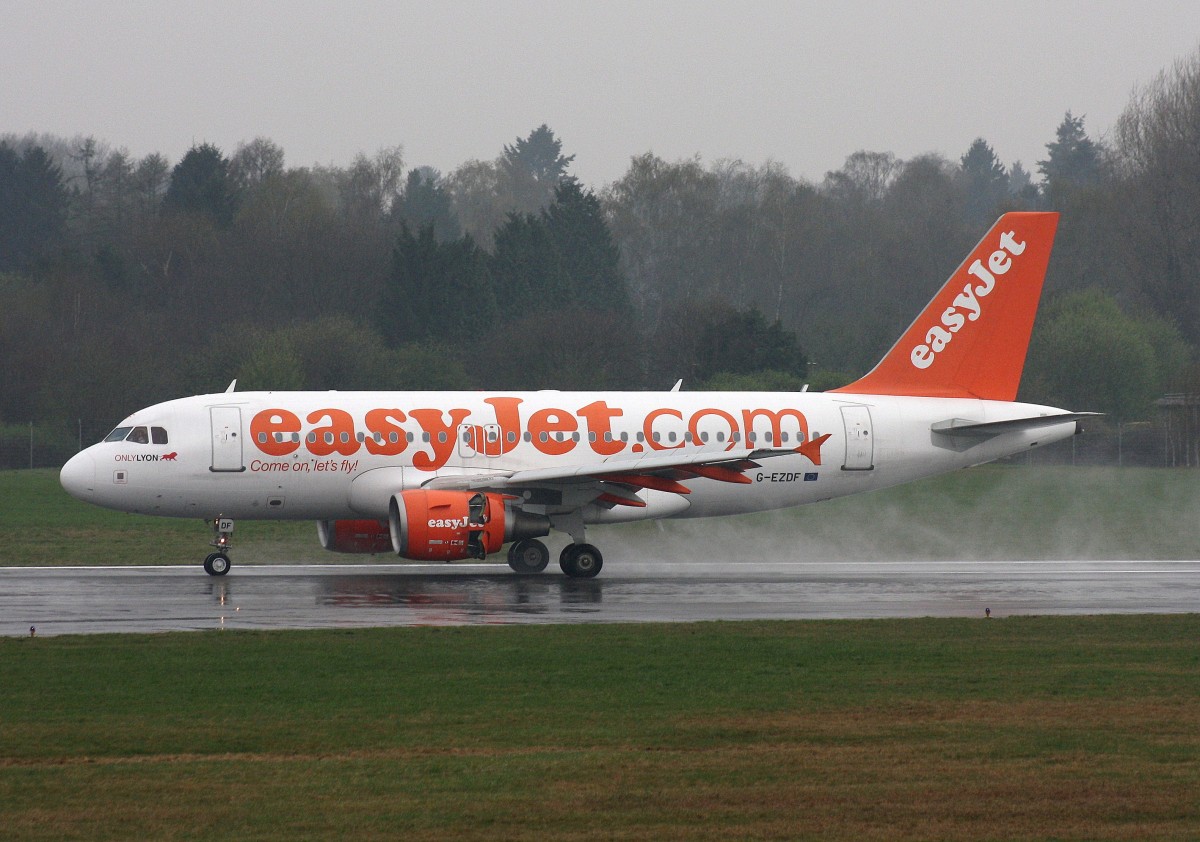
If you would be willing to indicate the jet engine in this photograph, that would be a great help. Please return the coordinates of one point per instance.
(433, 525)
(355, 536)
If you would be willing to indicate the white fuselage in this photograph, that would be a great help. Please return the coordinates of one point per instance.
(331, 455)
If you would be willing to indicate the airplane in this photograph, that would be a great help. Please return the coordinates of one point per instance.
(448, 476)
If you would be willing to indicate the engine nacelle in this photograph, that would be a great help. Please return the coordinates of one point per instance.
(355, 536)
(433, 525)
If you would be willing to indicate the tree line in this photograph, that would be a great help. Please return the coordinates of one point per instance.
(125, 281)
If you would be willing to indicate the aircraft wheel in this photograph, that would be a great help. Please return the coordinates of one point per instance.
(528, 556)
(580, 561)
(217, 564)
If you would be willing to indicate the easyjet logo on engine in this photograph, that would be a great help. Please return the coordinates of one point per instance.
(552, 431)
(968, 304)
(449, 523)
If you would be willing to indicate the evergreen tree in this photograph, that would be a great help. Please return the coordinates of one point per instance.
(33, 206)
(589, 256)
(986, 181)
(201, 185)
(1021, 186)
(1072, 161)
(426, 202)
(527, 268)
(534, 167)
(742, 342)
(436, 290)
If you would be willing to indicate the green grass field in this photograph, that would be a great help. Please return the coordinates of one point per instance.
(1022, 728)
(992, 512)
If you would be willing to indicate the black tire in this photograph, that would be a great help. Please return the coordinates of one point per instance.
(528, 556)
(217, 564)
(581, 561)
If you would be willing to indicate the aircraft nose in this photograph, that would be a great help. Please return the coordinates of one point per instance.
(78, 476)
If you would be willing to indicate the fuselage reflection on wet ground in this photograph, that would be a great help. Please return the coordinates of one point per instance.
(151, 599)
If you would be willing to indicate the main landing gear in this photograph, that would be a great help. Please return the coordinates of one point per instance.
(218, 564)
(528, 556)
(579, 561)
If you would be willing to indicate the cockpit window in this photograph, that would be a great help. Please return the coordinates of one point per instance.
(118, 434)
(139, 436)
(158, 435)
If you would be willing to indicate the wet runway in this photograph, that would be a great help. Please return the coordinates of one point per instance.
(153, 599)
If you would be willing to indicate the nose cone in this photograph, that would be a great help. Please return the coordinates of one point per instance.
(78, 476)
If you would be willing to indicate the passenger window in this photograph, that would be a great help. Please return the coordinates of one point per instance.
(158, 435)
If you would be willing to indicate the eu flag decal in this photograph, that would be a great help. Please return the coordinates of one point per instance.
(810, 477)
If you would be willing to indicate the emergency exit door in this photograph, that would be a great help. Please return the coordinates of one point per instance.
(860, 445)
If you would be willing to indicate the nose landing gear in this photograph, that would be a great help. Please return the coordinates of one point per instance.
(218, 564)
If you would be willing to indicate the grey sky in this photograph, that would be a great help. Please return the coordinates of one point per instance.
(805, 84)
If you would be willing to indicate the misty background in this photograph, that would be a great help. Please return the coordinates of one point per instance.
(127, 277)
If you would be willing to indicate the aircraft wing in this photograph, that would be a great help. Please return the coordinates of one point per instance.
(615, 482)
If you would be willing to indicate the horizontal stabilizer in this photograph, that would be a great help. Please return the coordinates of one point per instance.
(961, 427)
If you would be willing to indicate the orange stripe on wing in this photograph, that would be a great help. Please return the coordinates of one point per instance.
(647, 481)
(618, 500)
(716, 472)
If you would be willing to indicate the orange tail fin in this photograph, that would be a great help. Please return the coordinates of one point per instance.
(970, 342)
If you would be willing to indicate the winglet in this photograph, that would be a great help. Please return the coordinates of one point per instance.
(971, 340)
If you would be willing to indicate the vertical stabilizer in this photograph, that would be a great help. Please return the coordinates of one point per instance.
(971, 340)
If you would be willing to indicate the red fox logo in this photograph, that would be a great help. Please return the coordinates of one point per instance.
(169, 457)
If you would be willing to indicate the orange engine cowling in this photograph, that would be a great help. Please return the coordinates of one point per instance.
(355, 536)
(431, 525)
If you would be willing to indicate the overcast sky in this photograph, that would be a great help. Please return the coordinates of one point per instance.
(805, 84)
